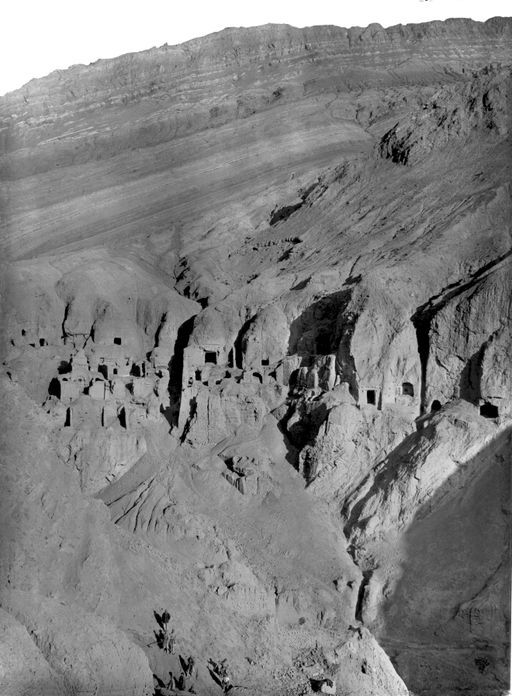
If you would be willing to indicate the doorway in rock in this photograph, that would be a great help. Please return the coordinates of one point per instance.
(407, 389)
(54, 388)
(122, 417)
(210, 357)
(488, 410)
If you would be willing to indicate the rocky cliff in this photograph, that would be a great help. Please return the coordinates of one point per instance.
(255, 342)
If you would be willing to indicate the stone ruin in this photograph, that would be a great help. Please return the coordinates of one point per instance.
(212, 367)
(108, 380)
(108, 385)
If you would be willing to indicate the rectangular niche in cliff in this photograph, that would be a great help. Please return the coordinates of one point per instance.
(117, 340)
(489, 410)
(371, 397)
(210, 356)
(198, 375)
(103, 370)
(42, 342)
(122, 417)
(67, 422)
(265, 362)
(407, 389)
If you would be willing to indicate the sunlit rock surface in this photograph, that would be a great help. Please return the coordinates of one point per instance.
(256, 335)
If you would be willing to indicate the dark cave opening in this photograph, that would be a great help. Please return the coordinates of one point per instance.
(407, 389)
(122, 418)
(488, 410)
(54, 388)
(210, 356)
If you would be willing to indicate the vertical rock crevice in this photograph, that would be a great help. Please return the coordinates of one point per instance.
(361, 595)
(421, 324)
(176, 370)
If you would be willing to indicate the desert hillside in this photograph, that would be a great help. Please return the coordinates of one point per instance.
(256, 335)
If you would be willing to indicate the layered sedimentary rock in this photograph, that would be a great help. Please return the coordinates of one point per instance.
(255, 344)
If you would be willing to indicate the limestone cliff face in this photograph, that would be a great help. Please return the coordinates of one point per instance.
(459, 362)
(256, 348)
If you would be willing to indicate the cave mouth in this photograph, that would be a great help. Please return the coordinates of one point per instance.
(436, 406)
(488, 410)
(371, 397)
(54, 388)
(407, 389)
(122, 418)
(210, 356)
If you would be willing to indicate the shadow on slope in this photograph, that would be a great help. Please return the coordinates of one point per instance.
(447, 621)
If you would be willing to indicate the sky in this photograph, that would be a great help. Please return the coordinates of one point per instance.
(39, 36)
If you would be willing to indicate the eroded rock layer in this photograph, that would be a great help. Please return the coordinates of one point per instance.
(256, 355)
